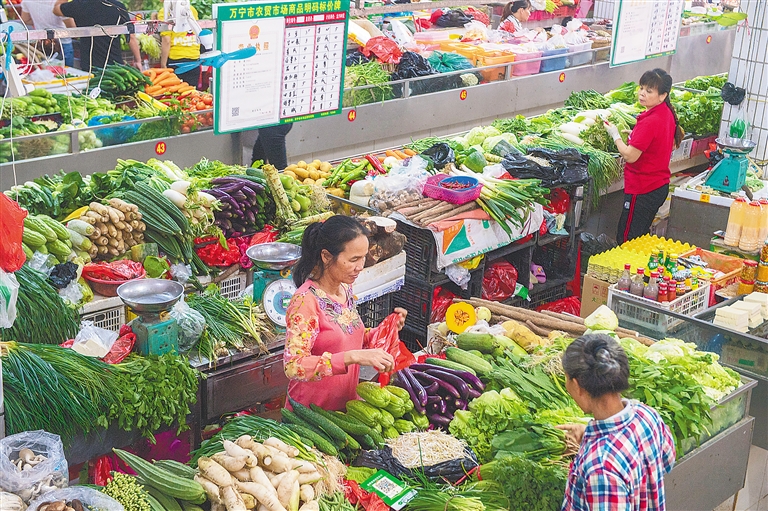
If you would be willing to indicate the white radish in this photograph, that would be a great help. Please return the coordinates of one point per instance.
(282, 446)
(235, 450)
(310, 478)
(307, 493)
(215, 472)
(266, 498)
(305, 467)
(181, 187)
(275, 479)
(263, 453)
(258, 476)
(249, 500)
(211, 488)
(245, 441)
(280, 463)
(232, 499)
(231, 463)
(242, 475)
(572, 138)
(285, 489)
(310, 506)
(175, 197)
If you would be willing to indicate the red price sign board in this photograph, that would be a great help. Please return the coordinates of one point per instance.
(160, 148)
(463, 94)
(352, 115)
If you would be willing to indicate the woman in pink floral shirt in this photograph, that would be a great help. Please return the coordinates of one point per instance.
(326, 341)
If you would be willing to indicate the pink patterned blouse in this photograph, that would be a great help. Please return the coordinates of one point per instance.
(319, 330)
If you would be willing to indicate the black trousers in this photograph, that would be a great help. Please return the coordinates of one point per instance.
(270, 146)
(638, 213)
(192, 76)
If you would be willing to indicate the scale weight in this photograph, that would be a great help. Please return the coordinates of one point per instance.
(272, 285)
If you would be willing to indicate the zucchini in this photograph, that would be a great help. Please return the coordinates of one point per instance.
(317, 420)
(350, 428)
(32, 239)
(80, 227)
(373, 394)
(450, 364)
(174, 467)
(481, 367)
(169, 503)
(38, 226)
(165, 481)
(61, 232)
(320, 440)
(188, 506)
(153, 502)
(364, 412)
(484, 343)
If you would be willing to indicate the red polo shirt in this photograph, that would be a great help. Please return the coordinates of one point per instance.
(654, 135)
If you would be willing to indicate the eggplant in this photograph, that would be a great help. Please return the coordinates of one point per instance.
(443, 384)
(224, 214)
(459, 404)
(468, 377)
(229, 180)
(438, 406)
(246, 189)
(460, 385)
(403, 382)
(250, 217)
(473, 394)
(417, 386)
(433, 399)
(439, 420)
(432, 388)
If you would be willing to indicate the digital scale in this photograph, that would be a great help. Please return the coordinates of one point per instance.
(272, 286)
(730, 173)
(150, 299)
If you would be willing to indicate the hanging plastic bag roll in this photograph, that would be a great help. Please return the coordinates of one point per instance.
(9, 293)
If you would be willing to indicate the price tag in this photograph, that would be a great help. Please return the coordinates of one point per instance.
(95, 92)
(704, 197)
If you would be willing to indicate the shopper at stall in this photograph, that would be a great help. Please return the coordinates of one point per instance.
(626, 449)
(647, 154)
(325, 340)
(38, 14)
(269, 146)
(180, 47)
(514, 15)
(98, 51)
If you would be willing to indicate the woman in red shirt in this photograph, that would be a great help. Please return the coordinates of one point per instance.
(647, 154)
(325, 339)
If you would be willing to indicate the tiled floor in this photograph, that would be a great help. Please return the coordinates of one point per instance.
(754, 496)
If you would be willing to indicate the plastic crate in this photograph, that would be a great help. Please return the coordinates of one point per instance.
(435, 190)
(648, 316)
(109, 319)
(699, 145)
(526, 68)
(558, 258)
(580, 59)
(232, 287)
(730, 266)
(553, 64)
(374, 311)
(413, 339)
(421, 253)
(416, 296)
(536, 298)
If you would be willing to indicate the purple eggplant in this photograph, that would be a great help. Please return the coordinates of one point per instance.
(432, 388)
(433, 399)
(454, 380)
(468, 377)
(439, 420)
(473, 394)
(428, 378)
(459, 404)
(228, 180)
(417, 386)
(403, 382)
(250, 217)
(248, 192)
(437, 407)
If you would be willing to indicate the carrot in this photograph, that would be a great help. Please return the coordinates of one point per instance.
(391, 153)
(168, 81)
(162, 76)
(152, 89)
(187, 92)
(401, 155)
(151, 74)
(410, 152)
(381, 158)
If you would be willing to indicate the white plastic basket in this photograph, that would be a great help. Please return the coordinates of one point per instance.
(232, 287)
(580, 59)
(109, 319)
(648, 315)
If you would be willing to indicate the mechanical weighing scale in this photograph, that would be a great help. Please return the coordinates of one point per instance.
(150, 299)
(730, 173)
(271, 283)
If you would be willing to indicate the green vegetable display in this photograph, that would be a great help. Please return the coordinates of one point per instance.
(587, 100)
(703, 83)
(368, 74)
(529, 485)
(699, 114)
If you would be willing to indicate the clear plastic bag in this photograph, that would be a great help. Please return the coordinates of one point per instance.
(44, 477)
(93, 341)
(43, 263)
(181, 272)
(191, 323)
(90, 498)
(9, 293)
(401, 185)
(73, 293)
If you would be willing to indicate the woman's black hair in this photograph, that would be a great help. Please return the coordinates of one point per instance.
(513, 7)
(660, 80)
(598, 363)
(331, 235)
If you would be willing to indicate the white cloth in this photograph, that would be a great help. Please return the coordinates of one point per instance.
(43, 17)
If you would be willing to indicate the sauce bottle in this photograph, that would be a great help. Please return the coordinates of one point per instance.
(624, 283)
(664, 290)
(651, 291)
(638, 283)
(735, 222)
(672, 290)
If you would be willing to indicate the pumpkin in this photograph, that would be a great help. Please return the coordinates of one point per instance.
(460, 316)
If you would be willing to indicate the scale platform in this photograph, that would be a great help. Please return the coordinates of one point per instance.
(730, 173)
(156, 334)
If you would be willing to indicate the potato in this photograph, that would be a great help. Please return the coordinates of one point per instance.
(290, 173)
(292, 167)
(308, 181)
(302, 164)
(314, 175)
(301, 173)
(316, 163)
(325, 166)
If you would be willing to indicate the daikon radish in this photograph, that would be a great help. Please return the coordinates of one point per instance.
(264, 496)
(242, 475)
(211, 488)
(310, 506)
(236, 451)
(232, 499)
(249, 500)
(304, 467)
(213, 471)
(307, 493)
(258, 476)
(285, 489)
(231, 463)
(282, 446)
(310, 478)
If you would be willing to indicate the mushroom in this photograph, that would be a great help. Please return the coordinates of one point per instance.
(57, 506)
(77, 505)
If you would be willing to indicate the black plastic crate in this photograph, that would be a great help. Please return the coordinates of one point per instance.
(417, 297)
(374, 311)
(544, 294)
(413, 340)
(421, 252)
(558, 258)
(581, 205)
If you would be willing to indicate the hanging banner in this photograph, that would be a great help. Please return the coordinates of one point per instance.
(298, 70)
(644, 29)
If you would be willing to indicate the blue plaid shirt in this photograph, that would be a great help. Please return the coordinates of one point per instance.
(621, 463)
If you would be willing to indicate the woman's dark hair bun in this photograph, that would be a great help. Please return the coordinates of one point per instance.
(598, 363)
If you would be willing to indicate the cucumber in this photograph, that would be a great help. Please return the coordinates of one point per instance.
(165, 481)
(481, 367)
(356, 428)
(169, 503)
(449, 364)
(317, 420)
(484, 343)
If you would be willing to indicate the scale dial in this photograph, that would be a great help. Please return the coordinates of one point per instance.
(277, 295)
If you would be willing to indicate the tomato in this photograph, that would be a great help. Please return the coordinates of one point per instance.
(185, 129)
(208, 100)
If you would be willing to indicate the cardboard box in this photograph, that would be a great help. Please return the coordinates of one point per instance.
(594, 293)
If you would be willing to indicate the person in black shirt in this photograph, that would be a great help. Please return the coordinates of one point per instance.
(89, 13)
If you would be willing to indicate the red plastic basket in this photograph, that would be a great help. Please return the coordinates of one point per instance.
(433, 190)
(108, 287)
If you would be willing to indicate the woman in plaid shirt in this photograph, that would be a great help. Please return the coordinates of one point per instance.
(626, 449)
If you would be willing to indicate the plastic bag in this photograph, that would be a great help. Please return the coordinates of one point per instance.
(93, 341)
(122, 347)
(9, 294)
(43, 263)
(63, 274)
(11, 228)
(356, 57)
(114, 271)
(476, 31)
(478, 15)
(386, 50)
(46, 476)
(369, 501)
(569, 164)
(570, 305)
(191, 323)
(400, 33)
(413, 65)
(444, 62)
(91, 499)
(458, 275)
(388, 339)
(441, 300)
(73, 293)
(181, 272)
(499, 281)
(441, 154)
(383, 459)
(453, 18)
(267, 235)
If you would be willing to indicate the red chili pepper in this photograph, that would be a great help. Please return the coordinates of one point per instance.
(376, 164)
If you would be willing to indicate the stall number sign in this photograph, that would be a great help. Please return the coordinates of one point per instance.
(645, 29)
(298, 70)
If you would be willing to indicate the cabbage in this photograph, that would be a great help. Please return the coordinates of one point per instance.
(609, 333)
(491, 142)
(602, 319)
(476, 136)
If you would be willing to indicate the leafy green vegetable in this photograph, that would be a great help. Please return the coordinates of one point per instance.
(587, 100)
(518, 126)
(703, 83)
(362, 75)
(699, 114)
(530, 485)
(534, 441)
(627, 94)
(603, 318)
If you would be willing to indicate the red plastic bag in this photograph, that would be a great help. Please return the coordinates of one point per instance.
(477, 15)
(423, 23)
(100, 470)
(570, 305)
(385, 49)
(267, 235)
(213, 254)
(499, 281)
(11, 228)
(559, 201)
(388, 339)
(122, 346)
(369, 501)
(441, 300)
(116, 270)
